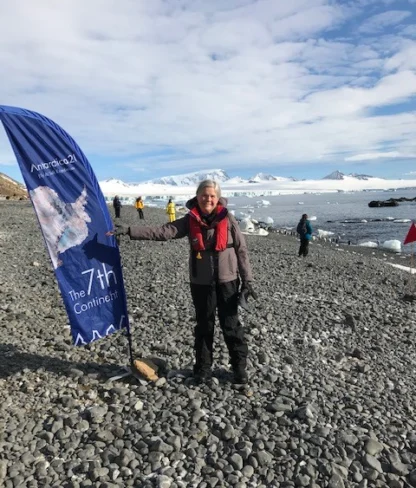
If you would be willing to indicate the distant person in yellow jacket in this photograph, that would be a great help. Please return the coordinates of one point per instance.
(140, 206)
(170, 210)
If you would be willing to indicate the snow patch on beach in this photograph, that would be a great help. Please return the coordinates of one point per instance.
(404, 268)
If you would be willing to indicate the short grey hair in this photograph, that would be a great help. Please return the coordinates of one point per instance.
(209, 184)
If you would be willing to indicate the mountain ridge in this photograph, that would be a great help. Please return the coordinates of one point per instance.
(338, 175)
(10, 188)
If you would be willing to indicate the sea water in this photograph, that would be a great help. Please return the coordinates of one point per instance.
(347, 215)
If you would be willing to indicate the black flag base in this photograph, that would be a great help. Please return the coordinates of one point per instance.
(124, 373)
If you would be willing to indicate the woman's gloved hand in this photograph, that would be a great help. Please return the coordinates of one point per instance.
(121, 230)
(246, 292)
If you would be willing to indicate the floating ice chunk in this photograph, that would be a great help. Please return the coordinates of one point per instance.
(401, 221)
(363, 221)
(324, 233)
(263, 203)
(393, 245)
(300, 203)
(312, 218)
(368, 244)
(232, 212)
(241, 215)
(268, 220)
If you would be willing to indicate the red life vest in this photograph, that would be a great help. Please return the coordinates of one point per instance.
(221, 229)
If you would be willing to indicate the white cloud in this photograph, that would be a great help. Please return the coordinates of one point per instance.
(378, 22)
(404, 59)
(179, 83)
(380, 155)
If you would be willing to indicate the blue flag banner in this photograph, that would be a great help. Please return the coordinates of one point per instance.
(75, 222)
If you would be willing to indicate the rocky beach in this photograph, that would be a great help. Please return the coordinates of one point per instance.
(332, 364)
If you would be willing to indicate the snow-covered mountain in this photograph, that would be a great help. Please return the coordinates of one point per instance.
(360, 177)
(182, 187)
(190, 178)
(115, 182)
(266, 177)
(337, 175)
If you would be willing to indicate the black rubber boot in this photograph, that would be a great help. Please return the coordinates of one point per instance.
(240, 375)
(202, 375)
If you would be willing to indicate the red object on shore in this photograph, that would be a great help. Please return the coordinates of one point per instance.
(411, 235)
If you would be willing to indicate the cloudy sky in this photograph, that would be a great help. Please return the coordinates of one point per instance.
(161, 87)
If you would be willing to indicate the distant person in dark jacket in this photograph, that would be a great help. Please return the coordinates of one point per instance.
(117, 206)
(304, 229)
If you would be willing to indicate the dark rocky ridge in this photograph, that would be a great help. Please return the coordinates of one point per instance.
(11, 189)
(391, 202)
(332, 360)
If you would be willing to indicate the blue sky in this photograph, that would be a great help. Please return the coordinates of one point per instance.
(154, 88)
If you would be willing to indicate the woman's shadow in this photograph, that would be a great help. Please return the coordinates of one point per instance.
(15, 361)
(103, 253)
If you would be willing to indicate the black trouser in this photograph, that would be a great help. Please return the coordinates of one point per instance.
(140, 213)
(117, 211)
(304, 247)
(207, 300)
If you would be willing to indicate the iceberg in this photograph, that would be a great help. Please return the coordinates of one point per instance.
(324, 233)
(263, 203)
(246, 225)
(393, 245)
(239, 215)
(368, 244)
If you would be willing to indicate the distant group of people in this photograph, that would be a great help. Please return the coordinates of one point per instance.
(139, 205)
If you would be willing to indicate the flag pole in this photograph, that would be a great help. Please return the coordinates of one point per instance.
(412, 285)
(128, 331)
(130, 344)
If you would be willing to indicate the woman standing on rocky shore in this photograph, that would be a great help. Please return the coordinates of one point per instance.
(218, 259)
